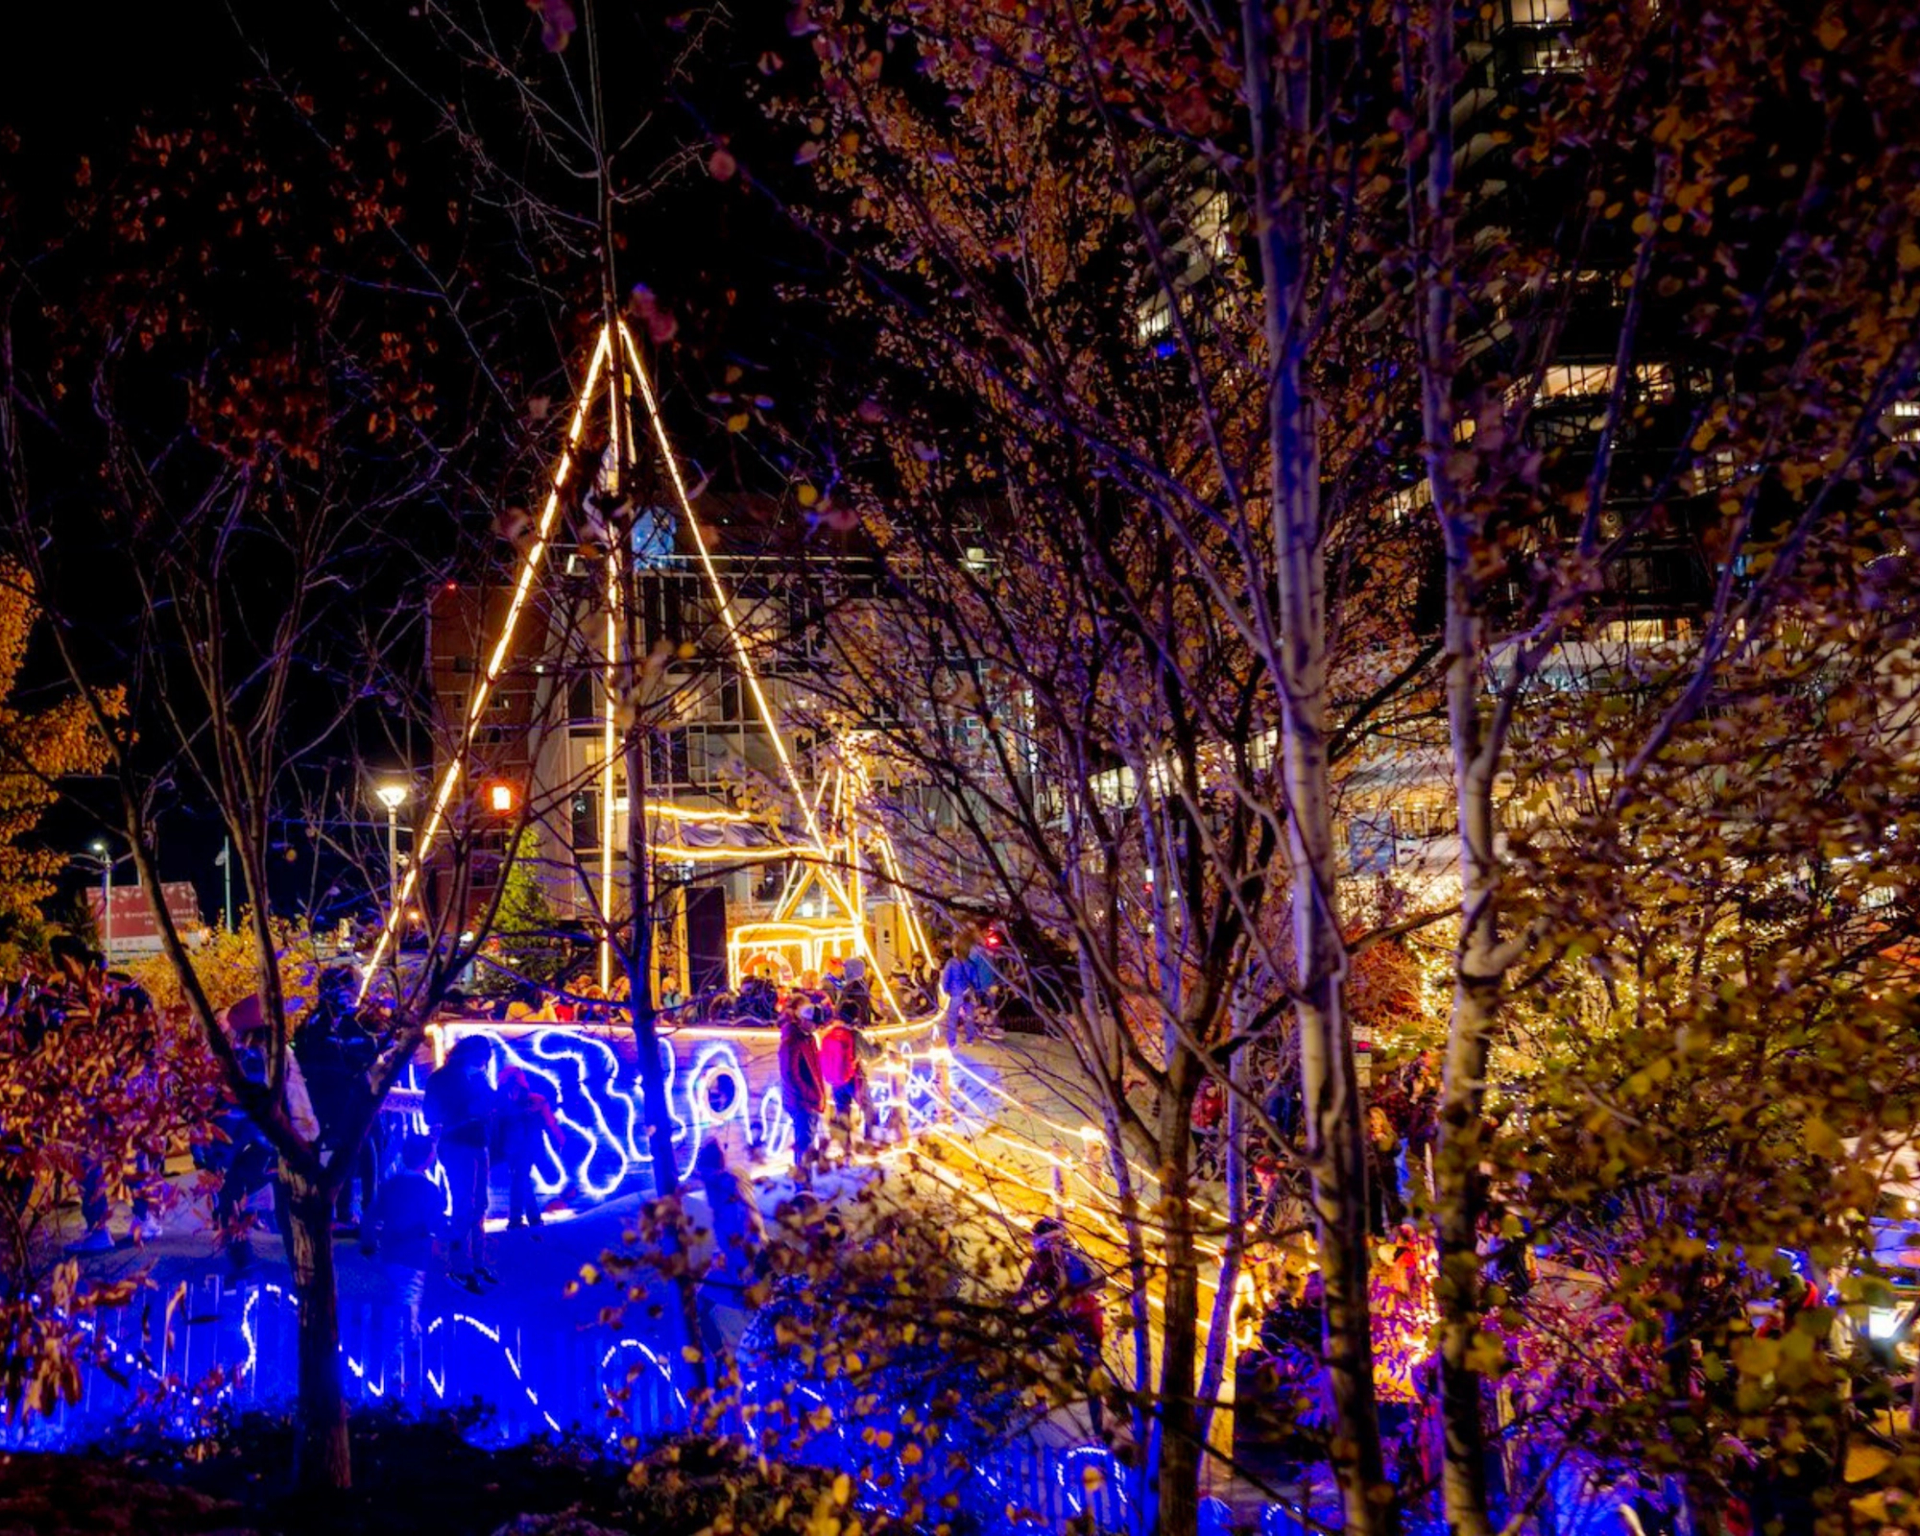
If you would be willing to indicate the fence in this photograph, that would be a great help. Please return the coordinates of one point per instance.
(227, 1348)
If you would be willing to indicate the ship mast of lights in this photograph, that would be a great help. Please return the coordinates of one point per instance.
(824, 860)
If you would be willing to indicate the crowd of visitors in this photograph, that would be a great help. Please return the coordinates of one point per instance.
(1403, 1102)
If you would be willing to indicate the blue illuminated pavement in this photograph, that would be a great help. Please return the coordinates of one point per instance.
(593, 1184)
(538, 1357)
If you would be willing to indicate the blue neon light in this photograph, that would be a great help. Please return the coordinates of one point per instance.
(596, 1098)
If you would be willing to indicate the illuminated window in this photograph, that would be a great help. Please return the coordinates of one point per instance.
(1542, 33)
(1594, 381)
(1634, 631)
(1405, 502)
(1212, 234)
(1575, 381)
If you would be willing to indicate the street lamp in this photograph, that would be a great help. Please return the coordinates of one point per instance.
(99, 848)
(392, 796)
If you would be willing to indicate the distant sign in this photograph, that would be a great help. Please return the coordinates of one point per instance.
(133, 930)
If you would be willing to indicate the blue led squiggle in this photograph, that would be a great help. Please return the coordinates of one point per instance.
(594, 1096)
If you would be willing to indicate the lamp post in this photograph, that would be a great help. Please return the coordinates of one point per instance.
(99, 848)
(392, 796)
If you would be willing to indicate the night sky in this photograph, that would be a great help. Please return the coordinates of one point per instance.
(723, 257)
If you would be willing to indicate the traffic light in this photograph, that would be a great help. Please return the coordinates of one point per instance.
(502, 798)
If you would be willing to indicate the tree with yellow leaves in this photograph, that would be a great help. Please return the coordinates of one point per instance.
(37, 748)
(227, 963)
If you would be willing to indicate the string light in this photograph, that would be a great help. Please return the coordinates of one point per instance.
(816, 853)
(523, 586)
(748, 671)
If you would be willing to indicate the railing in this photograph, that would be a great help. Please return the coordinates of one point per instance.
(230, 1349)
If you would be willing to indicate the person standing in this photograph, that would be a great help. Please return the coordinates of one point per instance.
(459, 1104)
(739, 1239)
(408, 1219)
(1422, 1125)
(335, 1054)
(527, 1121)
(956, 986)
(856, 993)
(255, 1164)
(802, 1085)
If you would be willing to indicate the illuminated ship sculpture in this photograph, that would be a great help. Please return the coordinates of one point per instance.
(841, 871)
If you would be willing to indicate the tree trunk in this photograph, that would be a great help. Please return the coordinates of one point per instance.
(1459, 1193)
(321, 1458)
(646, 1020)
(1459, 1202)
(1337, 1155)
(1176, 1449)
(1459, 1188)
(1216, 1381)
(1279, 93)
(646, 1023)
(1139, 1315)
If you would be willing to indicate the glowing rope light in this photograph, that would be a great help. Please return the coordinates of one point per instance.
(725, 854)
(850, 902)
(776, 1129)
(554, 1045)
(492, 1335)
(674, 812)
(652, 1359)
(611, 690)
(715, 1060)
(1140, 1170)
(536, 552)
(809, 939)
(743, 654)
(590, 1093)
(590, 1126)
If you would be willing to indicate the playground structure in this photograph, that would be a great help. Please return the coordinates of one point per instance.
(835, 853)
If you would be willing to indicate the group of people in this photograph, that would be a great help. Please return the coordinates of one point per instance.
(335, 1044)
(1403, 1123)
(389, 1201)
(476, 1116)
(827, 1059)
(472, 1113)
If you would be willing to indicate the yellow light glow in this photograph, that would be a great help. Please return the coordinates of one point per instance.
(611, 692)
(748, 671)
(674, 812)
(536, 552)
(729, 855)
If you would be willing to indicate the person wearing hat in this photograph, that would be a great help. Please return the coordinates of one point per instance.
(856, 994)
